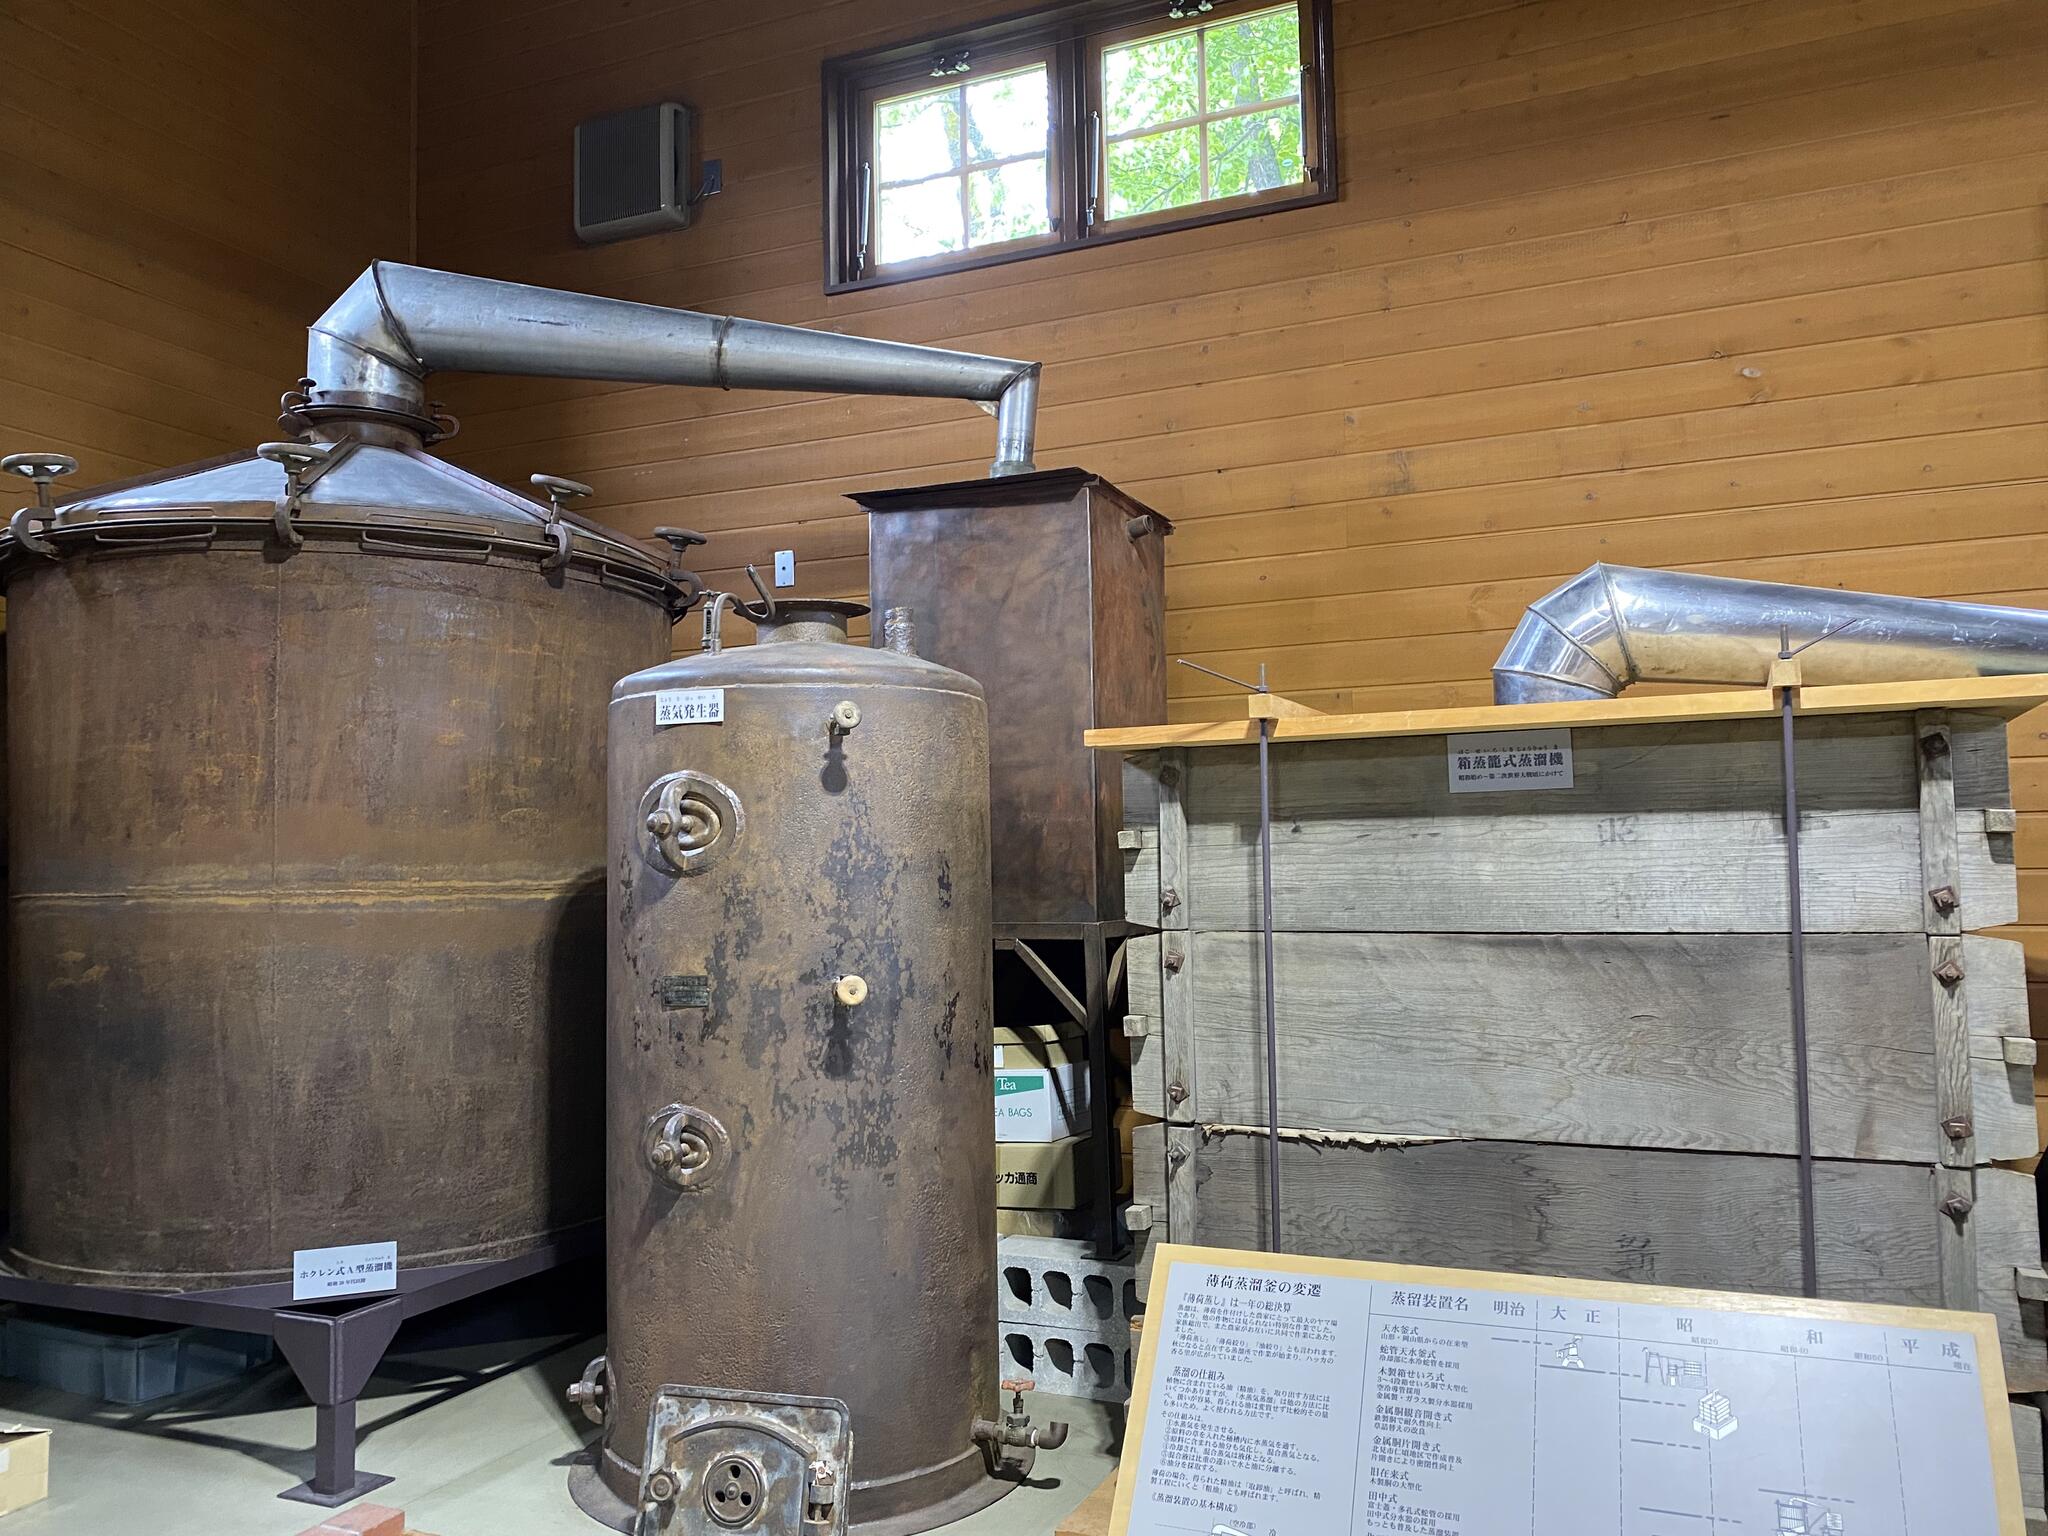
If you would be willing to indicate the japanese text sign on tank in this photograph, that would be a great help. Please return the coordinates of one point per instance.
(1496, 760)
(1287, 1396)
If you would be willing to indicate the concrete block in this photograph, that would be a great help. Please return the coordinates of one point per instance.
(1051, 1282)
(1069, 1364)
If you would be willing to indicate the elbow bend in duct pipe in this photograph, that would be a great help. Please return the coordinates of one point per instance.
(396, 324)
(1613, 625)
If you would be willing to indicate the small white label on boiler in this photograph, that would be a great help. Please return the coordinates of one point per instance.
(356, 1269)
(1495, 760)
(689, 706)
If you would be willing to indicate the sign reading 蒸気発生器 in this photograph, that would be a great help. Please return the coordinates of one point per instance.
(1497, 760)
(689, 706)
(356, 1269)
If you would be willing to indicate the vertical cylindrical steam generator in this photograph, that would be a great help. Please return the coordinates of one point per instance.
(800, 1146)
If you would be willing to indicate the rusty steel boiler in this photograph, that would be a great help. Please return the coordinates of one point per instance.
(307, 851)
(800, 1229)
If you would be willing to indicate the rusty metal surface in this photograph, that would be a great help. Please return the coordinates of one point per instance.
(308, 882)
(839, 1241)
(1035, 586)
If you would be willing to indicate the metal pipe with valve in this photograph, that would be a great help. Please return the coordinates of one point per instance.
(1015, 1442)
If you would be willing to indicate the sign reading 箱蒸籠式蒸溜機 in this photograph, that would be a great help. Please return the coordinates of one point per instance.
(1495, 760)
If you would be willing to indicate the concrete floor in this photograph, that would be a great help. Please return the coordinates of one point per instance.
(479, 1439)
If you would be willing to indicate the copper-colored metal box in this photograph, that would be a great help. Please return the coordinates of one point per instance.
(1048, 589)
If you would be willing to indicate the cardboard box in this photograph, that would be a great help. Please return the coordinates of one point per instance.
(1036, 1224)
(1041, 1084)
(24, 1466)
(1038, 1175)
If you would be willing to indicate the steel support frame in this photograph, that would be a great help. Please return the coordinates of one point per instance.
(333, 1347)
(1106, 1235)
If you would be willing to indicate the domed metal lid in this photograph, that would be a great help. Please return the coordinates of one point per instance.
(385, 497)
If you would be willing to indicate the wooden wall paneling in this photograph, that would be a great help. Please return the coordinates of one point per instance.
(1599, 1040)
(173, 213)
(1654, 1217)
(1746, 288)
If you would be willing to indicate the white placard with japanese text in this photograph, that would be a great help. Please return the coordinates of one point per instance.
(689, 706)
(1290, 1397)
(356, 1269)
(1495, 760)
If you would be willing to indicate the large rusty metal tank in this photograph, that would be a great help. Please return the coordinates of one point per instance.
(307, 860)
(801, 1146)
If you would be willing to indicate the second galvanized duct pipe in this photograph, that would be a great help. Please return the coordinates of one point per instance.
(396, 324)
(1615, 625)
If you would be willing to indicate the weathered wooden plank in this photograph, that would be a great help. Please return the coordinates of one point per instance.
(1180, 1179)
(1712, 1220)
(1139, 840)
(1141, 873)
(1145, 1023)
(1941, 877)
(1940, 857)
(1981, 753)
(1176, 985)
(1141, 788)
(1173, 838)
(1846, 762)
(1525, 868)
(2026, 1440)
(1141, 966)
(1647, 1040)
(1855, 762)
(1955, 1203)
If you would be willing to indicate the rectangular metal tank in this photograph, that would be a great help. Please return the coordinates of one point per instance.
(1049, 590)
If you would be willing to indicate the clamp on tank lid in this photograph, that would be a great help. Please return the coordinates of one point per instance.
(39, 469)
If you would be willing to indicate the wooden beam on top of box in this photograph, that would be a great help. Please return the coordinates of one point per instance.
(2007, 696)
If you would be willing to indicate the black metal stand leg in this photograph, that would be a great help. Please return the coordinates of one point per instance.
(334, 1355)
(1107, 1231)
(334, 1449)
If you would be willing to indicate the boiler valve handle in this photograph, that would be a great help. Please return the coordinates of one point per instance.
(558, 491)
(40, 468)
(681, 540)
(295, 459)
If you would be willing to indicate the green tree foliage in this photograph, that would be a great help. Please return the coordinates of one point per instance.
(1219, 68)
(1210, 111)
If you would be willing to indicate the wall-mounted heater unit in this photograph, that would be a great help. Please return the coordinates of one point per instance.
(633, 172)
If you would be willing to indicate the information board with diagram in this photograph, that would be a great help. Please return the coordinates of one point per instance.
(1288, 1396)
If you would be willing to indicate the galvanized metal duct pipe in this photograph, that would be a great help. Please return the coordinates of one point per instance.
(1613, 625)
(396, 324)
